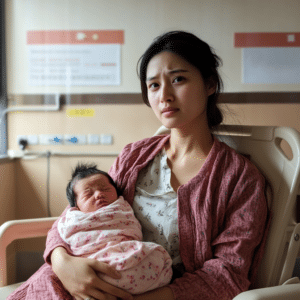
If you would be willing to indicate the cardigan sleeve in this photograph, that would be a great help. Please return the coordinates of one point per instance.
(54, 240)
(118, 164)
(119, 170)
(227, 268)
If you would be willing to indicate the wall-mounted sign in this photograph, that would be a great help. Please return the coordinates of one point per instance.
(74, 57)
(270, 57)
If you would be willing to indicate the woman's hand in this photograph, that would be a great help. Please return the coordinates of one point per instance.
(78, 275)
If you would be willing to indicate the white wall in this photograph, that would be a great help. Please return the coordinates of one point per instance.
(215, 21)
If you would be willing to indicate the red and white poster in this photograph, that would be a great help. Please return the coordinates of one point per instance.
(270, 57)
(74, 57)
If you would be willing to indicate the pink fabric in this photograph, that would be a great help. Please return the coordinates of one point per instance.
(42, 285)
(113, 235)
(222, 215)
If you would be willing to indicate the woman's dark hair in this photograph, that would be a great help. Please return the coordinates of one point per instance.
(82, 171)
(196, 52)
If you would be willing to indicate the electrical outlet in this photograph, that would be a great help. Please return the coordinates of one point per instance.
(51, 139)
(75, 139)
(21, 137)
(22, 141)
(93, 139)
(33, 139)
(106, 139)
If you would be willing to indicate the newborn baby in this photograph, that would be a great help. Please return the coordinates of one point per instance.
(100, 224)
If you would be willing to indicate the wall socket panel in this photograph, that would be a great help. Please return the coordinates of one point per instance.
(31, 139)
(51, 139)
(106, 139)
(93, 139)
(67, 139)
(75, 139)
(21, 137)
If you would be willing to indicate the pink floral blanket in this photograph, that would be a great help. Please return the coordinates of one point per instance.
(113, 235)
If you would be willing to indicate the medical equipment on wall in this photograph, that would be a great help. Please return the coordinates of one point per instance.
(25, 154)
(44, 108)
(55, 107)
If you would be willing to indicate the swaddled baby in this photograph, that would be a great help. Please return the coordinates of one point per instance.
(100, 224)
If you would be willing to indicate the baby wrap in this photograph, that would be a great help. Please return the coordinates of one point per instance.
(113, 235)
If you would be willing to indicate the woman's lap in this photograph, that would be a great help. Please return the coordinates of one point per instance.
(43, 284)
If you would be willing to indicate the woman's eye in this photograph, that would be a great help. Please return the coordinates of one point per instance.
(153, 85)
(178, 79)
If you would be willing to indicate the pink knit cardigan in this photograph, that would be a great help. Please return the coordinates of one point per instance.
(223, 219)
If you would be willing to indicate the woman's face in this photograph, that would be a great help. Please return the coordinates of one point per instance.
(94, 192)
(176, 91)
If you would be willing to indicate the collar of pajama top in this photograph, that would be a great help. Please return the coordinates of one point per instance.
(155, 205)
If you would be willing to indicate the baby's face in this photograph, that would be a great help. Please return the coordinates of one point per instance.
(94, 192)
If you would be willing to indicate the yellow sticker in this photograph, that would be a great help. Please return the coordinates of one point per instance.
(80, 112)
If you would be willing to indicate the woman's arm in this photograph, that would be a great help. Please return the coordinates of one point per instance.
(78, 275)
(54, 239)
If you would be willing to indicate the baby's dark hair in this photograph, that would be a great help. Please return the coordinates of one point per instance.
(82, 171)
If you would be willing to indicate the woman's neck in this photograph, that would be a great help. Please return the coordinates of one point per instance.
(189, 143)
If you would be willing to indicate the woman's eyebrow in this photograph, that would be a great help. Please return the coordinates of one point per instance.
(170, 72)
(178, 71)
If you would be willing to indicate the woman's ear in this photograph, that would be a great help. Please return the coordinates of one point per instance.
(210, 86)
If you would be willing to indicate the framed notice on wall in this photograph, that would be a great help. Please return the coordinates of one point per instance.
(270, 57)
(74, 57)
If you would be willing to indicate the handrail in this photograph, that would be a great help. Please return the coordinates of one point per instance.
(17, 229)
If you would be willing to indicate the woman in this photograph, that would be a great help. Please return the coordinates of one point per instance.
(196, 196)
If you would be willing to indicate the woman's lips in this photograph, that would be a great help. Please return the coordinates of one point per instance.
(168, 112)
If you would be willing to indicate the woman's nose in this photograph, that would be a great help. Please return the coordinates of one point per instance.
(166, 93)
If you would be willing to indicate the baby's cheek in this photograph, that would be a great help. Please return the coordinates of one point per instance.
(112, 197)
(84, 207)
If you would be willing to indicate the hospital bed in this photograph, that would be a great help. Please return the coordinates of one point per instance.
(263, 145)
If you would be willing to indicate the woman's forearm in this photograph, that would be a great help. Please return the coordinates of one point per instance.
(54, 240)
(78, 276)
(164, 293)
(58, 259)
(57, 256)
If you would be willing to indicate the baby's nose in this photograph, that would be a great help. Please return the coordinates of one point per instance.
(98, 194)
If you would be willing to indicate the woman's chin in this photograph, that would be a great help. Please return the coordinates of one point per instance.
(169, 124)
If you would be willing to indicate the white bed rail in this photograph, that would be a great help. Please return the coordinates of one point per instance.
(20, 229)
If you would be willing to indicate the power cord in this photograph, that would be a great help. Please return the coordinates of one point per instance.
(23, 144)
